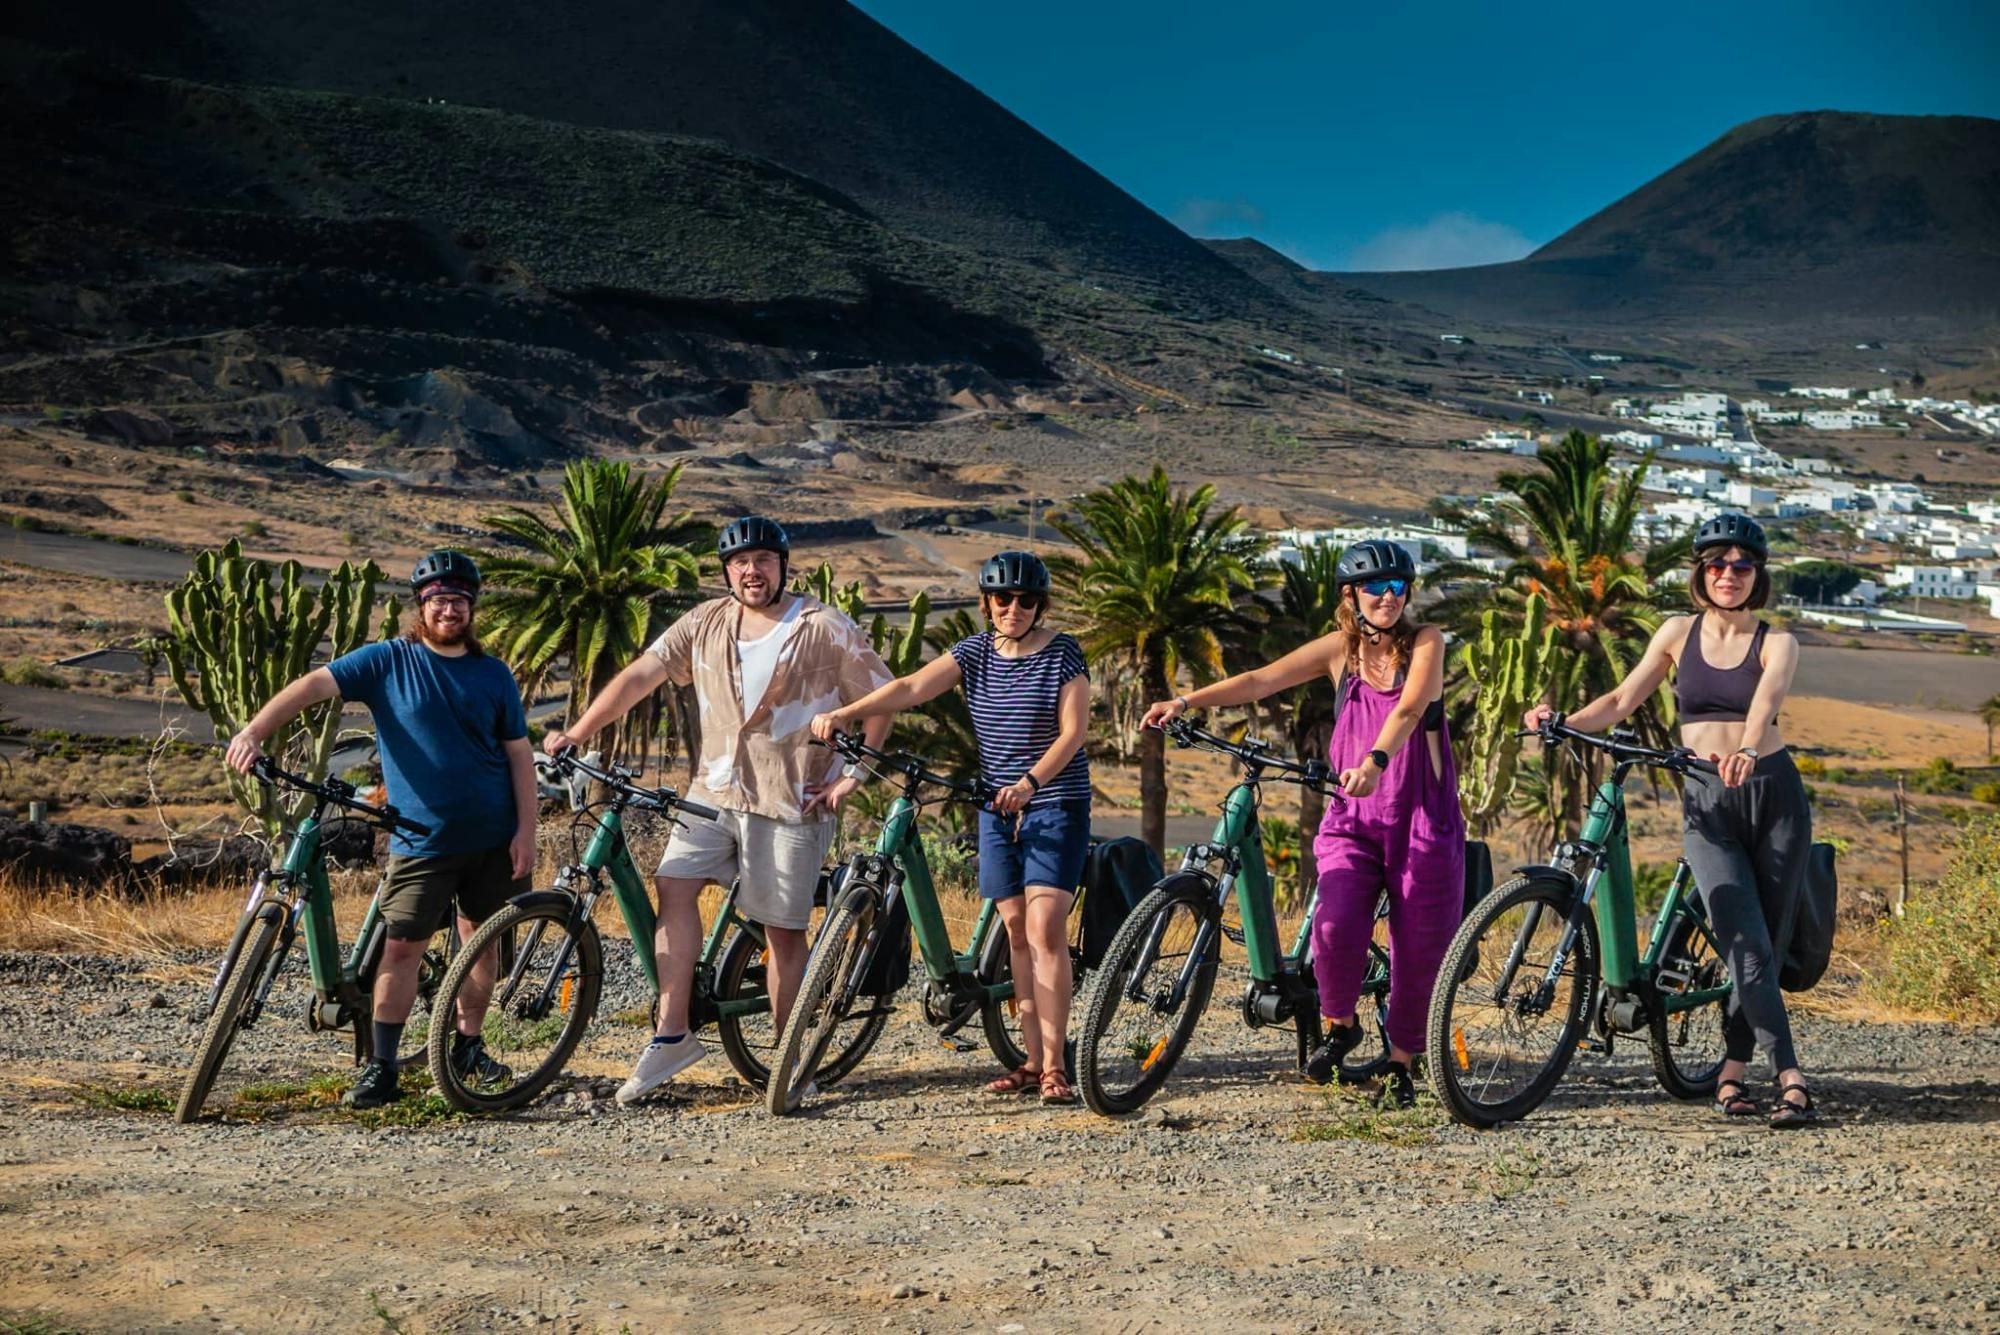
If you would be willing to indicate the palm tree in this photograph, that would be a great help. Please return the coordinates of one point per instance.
(1308, 600)
(595, 587)
(1566, 531)
(1989, 714)
(1155, 588)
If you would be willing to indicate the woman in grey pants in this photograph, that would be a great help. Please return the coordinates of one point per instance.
(1749, 827)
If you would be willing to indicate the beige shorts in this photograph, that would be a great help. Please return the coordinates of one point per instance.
(775, 863)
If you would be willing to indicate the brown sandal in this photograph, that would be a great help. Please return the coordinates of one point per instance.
(1056, 1087)
(1023, 1081)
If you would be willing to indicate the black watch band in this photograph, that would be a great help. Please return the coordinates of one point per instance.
(1381, 759)
(1032, 781)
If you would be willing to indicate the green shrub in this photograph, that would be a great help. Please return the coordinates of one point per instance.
(256, 528)
(1944, 952)
(184, 496)
(1940, 776)
(26, 671)
(1986, 792)
(1812, 767)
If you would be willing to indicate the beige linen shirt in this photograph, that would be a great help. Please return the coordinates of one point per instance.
(762, 764)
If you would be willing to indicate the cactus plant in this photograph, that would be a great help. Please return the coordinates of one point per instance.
(235, 637)
(1513, 672)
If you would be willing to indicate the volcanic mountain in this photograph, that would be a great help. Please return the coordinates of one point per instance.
(1816, 218)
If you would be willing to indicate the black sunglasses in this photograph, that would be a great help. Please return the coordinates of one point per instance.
(1031, 601)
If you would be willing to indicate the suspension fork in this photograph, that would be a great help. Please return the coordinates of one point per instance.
(259, 889)
(1204, 941)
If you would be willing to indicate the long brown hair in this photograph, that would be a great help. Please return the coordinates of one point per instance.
(1402, 636)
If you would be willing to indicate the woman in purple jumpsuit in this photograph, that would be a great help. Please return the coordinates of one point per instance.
(1395, 822)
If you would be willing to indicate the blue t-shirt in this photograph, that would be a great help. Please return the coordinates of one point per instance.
(439, 725)
(1015, 705)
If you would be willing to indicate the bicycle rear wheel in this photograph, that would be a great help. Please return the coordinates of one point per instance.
(1502, 1027)
(1688, 1046)
(252, 963)
(1001, 1020)
(550, 969)
(1139, 1018)
(824, 999)
(750, 1040)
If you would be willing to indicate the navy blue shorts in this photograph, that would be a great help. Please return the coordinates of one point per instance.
(1049, 848)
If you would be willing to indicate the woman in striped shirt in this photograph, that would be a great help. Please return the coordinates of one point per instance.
(1028, 691)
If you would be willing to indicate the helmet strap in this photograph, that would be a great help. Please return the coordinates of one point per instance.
(1369, 630)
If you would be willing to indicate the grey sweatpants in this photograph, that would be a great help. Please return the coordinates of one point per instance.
(1747, 846)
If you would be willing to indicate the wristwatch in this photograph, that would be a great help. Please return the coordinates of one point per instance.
(1750, 751)
(850, 770)
(1181, 700)
(1379, 759)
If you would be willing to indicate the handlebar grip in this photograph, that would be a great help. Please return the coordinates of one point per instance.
(409, 826)
(697, 809)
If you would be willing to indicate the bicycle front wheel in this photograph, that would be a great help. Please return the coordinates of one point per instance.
(1688, 1045)
(823, 1001)
(547, 970)
(750, 1040)
(1504, 1020)
(252, 962)
(1148, 996)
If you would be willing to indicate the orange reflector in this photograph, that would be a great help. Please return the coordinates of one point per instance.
(568, 983)
(1458, 1050)
(1154, 1055)
(1013, 1008)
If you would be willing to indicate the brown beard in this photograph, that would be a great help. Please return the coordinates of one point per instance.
(421, 633)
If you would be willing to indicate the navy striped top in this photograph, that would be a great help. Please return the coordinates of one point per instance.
(1014, 706)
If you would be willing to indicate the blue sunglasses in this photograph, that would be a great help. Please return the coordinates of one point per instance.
(1376, 588)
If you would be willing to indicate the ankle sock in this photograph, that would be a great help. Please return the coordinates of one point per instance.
(388, 1037)
(669, 1038)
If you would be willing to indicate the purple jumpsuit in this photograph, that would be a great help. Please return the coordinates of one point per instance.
(1407, 836)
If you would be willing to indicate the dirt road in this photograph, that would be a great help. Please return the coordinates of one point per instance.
(910, 1200)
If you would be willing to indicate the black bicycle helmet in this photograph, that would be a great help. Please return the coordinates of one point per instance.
(1730, 529)
(1373, 558)
(1014, 572)
(754, 533)
(456, 567)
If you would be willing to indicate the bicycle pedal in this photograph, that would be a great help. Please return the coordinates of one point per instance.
(957, 1045)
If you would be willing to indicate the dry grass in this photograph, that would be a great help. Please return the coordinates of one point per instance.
(153, 924)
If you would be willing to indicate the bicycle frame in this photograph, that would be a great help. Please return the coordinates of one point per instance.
(899, 843)
(1607, 892)
(608, 853)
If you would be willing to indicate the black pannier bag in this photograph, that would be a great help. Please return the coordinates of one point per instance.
(1478, 875)
(1116, 876)
(1808, 946)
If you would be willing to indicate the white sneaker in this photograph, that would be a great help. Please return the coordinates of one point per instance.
(659, 1063)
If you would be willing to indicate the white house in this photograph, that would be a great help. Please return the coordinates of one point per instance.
(1818, 467)
(1637, 441)
(1932, 581)
(1748, 495)
(1535, 395)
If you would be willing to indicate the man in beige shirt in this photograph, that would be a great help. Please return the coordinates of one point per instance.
(763, 662)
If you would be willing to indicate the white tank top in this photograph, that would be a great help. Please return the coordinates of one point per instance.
(757, 659)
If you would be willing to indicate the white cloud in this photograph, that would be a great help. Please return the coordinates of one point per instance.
(1200, 217)
(1448, 241)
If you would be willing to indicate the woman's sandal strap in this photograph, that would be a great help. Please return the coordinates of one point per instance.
(1015, 1082)
(1786, 1113)
(1739, 1104)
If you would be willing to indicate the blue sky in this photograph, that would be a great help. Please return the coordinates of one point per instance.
(1401, 136)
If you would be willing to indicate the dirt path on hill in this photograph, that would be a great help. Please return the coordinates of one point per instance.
(908, 1199)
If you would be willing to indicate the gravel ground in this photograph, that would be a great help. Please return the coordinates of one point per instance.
(909, 1199)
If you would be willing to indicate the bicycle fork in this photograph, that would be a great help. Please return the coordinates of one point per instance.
(1538, 1001)
(1204, 941)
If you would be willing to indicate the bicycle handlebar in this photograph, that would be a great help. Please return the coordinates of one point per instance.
(619, 780)
(1618, 744)
(337, 792)
(1316, 774)
(911, 767)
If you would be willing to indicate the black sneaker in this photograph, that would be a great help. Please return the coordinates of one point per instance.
(376, 1086)
(469, 1060)
(1398, 1086)
(1324, 1064)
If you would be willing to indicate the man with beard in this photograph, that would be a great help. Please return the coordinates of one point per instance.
(455, 757)
(763, 662)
